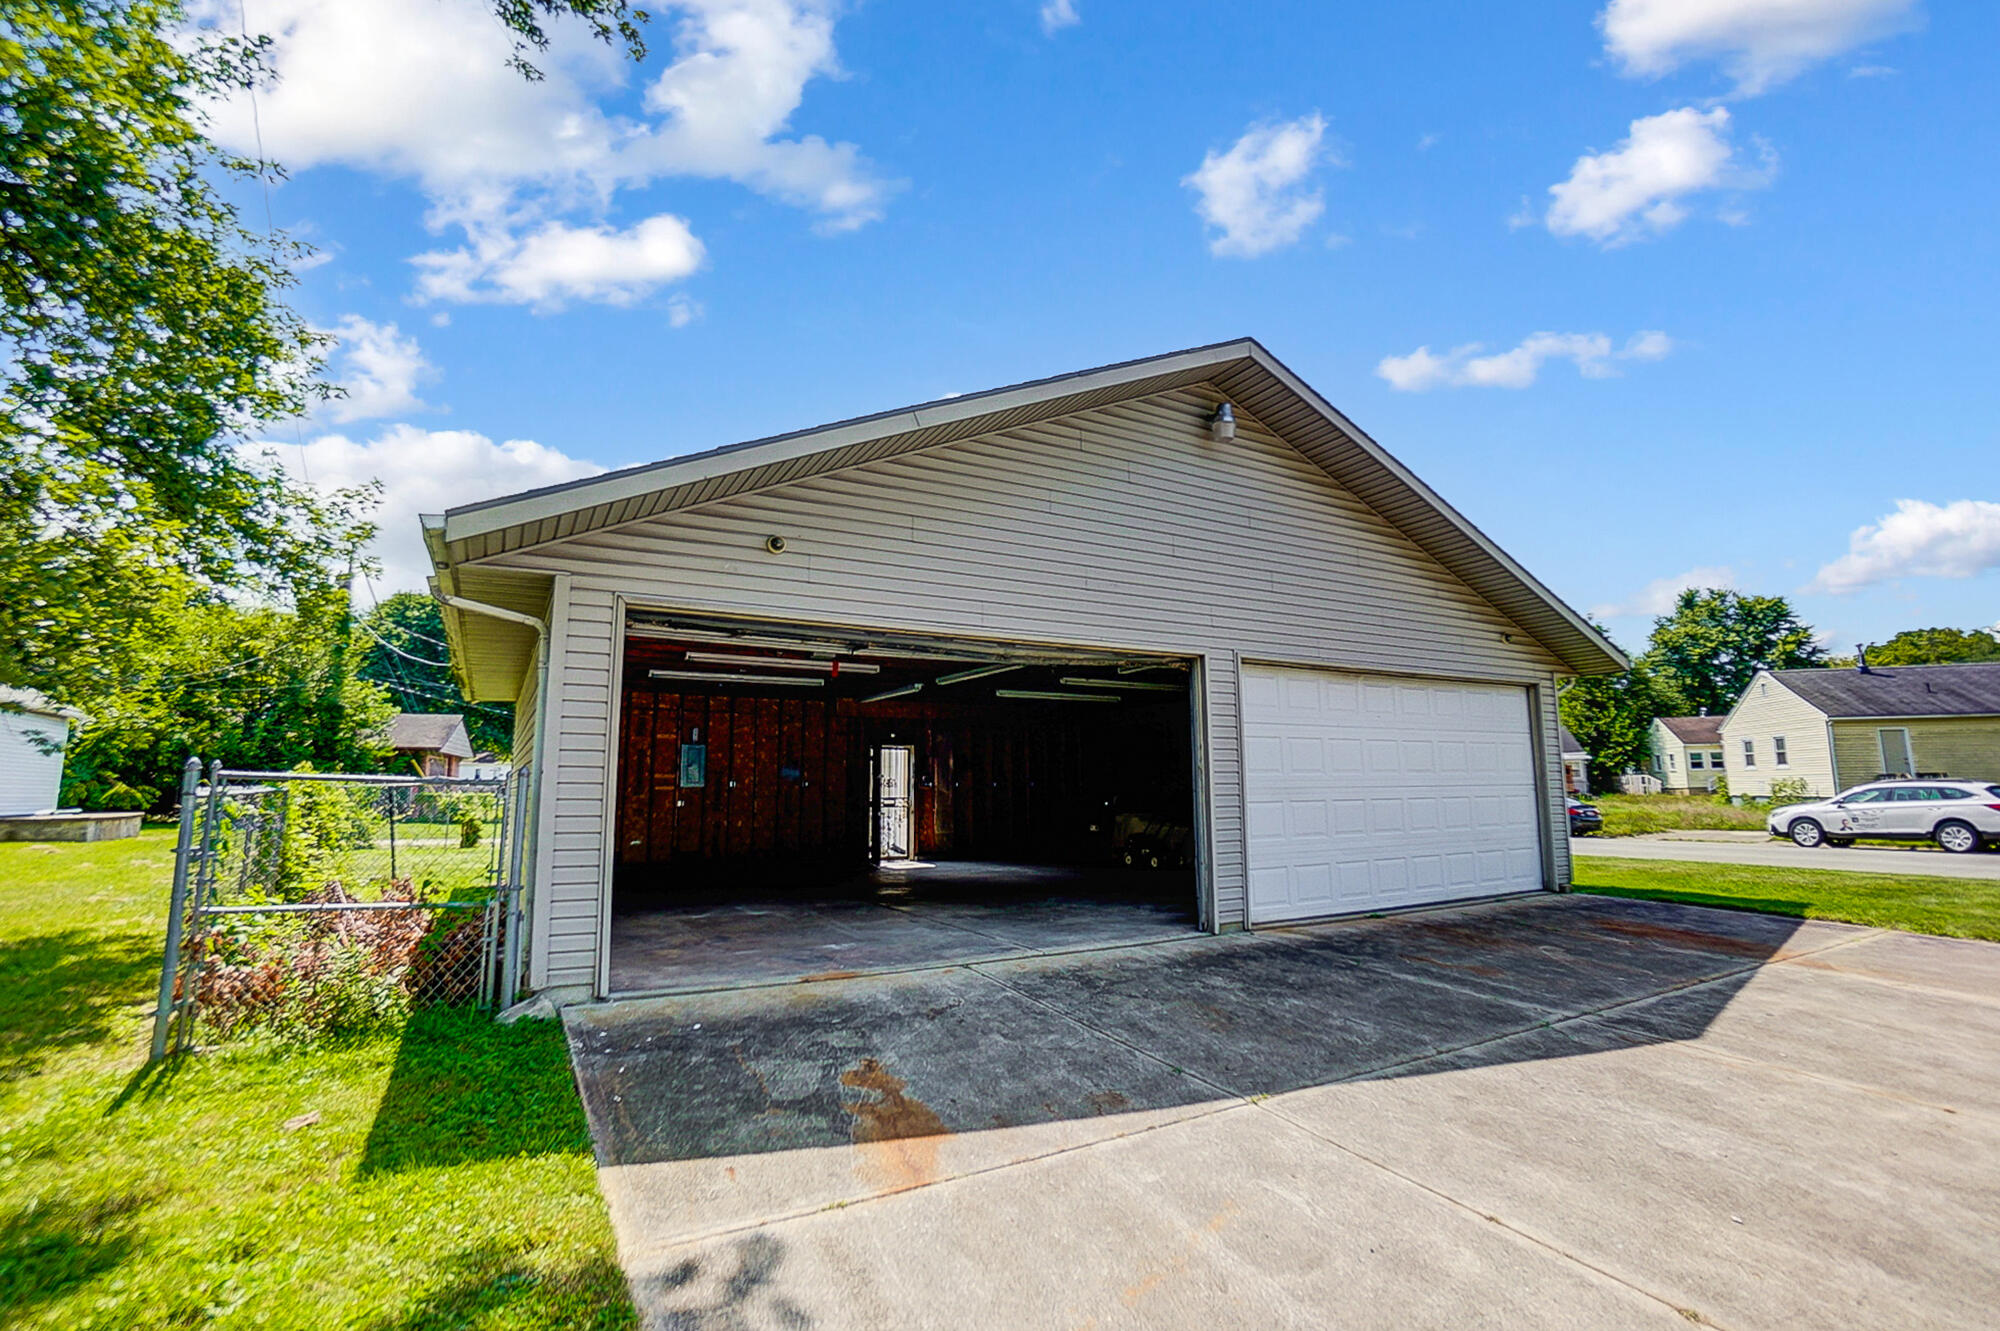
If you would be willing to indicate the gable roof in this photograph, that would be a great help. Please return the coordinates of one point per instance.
(1242, 371)
(1694, 729)
(1971, 689)
(430, 732)
(1572, 747)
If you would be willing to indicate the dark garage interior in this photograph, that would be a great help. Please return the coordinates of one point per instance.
(809, 802)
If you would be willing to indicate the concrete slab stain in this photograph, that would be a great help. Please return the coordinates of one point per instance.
(1107, 1102)
(1485, 972)
(900, 1133)
(1674, 935)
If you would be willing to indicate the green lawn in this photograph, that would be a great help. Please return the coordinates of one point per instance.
(1630, 815)
(447, 1181)
(1959, 907)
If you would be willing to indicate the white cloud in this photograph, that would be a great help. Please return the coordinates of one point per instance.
(379, 367)
(1759, 43)
(558, 263)
(1639, 188)
(683, 310)
(1918, 540)
(1658, 596)
(1873, 72)
(1464, 367)
(1057, 15)
(424, 471)
(1254, 193)
(422, 91)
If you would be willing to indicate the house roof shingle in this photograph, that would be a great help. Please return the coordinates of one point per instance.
(1572, 747)
(1694, 729)
(1971, 689)
(430, 732)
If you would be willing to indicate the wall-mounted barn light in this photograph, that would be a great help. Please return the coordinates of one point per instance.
(1222, 425)
(774, 545)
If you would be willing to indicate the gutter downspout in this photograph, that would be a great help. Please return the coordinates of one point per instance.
(511, 978)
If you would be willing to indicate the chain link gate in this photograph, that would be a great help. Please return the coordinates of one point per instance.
(309, 902)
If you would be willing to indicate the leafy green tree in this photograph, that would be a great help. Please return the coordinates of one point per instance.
(1936, 647)
(141, 330)
(253, 686)
(1613, 717)
(402, 649)
(1704, 653)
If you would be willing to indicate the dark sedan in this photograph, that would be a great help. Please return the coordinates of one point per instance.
(1583, 818)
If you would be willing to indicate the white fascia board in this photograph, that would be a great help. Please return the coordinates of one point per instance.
(464, 523)
(1403, 474)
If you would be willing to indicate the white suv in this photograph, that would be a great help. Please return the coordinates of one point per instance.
(1961, 816)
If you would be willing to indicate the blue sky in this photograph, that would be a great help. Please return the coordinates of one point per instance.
(1704, 289)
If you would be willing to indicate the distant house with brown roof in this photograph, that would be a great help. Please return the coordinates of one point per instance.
(1687, 752)
(1838, 728)
(435, 741)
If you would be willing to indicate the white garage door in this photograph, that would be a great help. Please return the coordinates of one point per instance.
(1367, 792)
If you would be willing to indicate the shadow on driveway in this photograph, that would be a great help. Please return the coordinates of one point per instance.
(920, 1058)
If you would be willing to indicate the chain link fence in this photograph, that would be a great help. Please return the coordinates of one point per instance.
(308, 903)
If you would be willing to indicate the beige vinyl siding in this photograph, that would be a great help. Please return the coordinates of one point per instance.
(1766, 710)
(1123, 527)
(1555, 841)
(1964, 747)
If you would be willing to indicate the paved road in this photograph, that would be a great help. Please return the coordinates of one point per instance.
(1561, 1112)
(1784, 855)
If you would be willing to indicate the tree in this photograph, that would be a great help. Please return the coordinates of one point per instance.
(402, 649)
(1704, 654)
(1612, 715)
(1936, 647)
(252, 686)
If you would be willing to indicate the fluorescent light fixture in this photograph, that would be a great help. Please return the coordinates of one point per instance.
(1045, 695)
(961, 676)
(1077, 681)
(723, 677)
(786, 663)
(1142, 667)
(903, 692)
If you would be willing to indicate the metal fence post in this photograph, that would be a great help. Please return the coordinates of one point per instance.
(170, 962)
(204, 877)
(517, 827)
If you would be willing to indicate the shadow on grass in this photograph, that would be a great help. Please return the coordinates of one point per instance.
(47, 1249)
(1721, 900)
(62, 990)
(465, 1088)
(491, 1287)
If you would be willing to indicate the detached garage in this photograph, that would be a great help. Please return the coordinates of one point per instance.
(1164, 644)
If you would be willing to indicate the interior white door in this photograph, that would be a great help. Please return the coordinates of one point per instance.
(1367, 792)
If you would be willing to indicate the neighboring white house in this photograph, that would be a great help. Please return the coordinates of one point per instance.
(1687, 752)
(1575, 761)
(1184, 589)
(1834, 729)
(34, 735)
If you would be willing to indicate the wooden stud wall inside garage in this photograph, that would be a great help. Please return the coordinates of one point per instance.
(786, 780)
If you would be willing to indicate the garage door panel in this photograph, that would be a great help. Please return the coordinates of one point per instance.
(1368, 793)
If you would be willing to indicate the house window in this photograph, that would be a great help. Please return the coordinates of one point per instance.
(1694, 761)
(1671, 760)
(1749, 753)
(1778, 751)
(1897, 759)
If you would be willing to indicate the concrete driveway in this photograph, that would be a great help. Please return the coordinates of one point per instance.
(1926, 860)
(1551, 1112)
